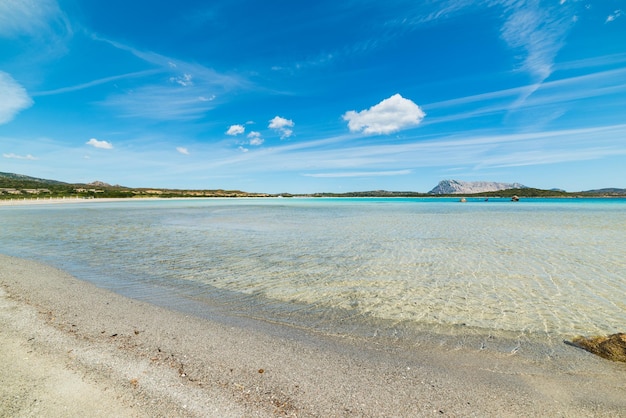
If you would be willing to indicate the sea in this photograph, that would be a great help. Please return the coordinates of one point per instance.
(379, 268)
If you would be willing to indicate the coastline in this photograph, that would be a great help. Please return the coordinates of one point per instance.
(68, 201)
(64, 201)
(130, 358)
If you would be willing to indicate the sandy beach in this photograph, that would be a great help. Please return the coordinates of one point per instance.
(72, 349)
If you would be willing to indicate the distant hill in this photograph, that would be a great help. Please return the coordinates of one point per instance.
(18, 186)
(372, 193)
(611, 191)
(11, 180)
(472, 187)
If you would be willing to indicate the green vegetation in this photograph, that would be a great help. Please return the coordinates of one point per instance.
(374, 193)
(525, 192)
(17, 186)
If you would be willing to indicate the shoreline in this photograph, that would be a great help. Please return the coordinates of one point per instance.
(131, 358)
(74, 200)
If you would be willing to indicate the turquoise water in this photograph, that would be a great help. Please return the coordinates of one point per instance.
(548, 266)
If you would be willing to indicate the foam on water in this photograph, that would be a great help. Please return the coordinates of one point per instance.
(536, 266)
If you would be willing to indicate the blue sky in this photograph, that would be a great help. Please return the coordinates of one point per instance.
(335, 96)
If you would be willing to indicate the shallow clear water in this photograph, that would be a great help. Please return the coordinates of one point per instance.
(535, 266)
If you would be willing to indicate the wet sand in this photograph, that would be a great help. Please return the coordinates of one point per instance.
(72, 349)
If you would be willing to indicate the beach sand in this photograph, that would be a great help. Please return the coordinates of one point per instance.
(72, 349)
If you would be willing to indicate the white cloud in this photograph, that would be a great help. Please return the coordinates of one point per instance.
(182, 150)
(99, 144)
(255, 138)
(184, 80)
(282, 125)
(234, 130)
(20, 157)
(613, 16)
(160, 103)
(14, 98)
(389, 116)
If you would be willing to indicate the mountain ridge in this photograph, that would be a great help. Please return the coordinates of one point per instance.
(12, 184)
(471, 187)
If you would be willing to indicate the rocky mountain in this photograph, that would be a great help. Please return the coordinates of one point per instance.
(98, 183)
(470, 187)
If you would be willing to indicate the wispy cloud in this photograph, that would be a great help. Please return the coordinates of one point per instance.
(418, 14)
(534, 30)
(39, 28)
(99, 144)
(188, 93)
(183, 80)
(610, 18)
(469, 150)
(30, 17)
(321, 60)
(160, 102)
(557, 92)
(539, 30)
(182, 150)
(98, 82)
(390, 115)
(360, 174)
(20, 157)
(600, 61)
(201, 74)
(14, 98)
